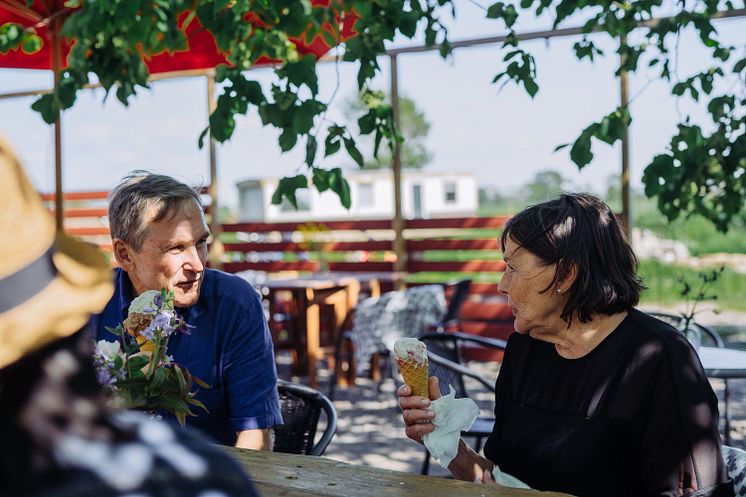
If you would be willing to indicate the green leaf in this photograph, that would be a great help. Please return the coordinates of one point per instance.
(581, 153)
(740, 65)
(46, 105)
(302, 72)
(341, 187)
(531, 87)
(287, 187)
(311, 147)
(197, 403)
(180, 376)
(353, 151)
(331, 145)
(321, 179)
(159, 378)
(408, 24)
(202, 136)
(287, 140)
(367, 123)
(31, 44)
(200, 383)
(138, 362)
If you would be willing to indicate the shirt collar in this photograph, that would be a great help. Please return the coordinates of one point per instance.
(124, 290)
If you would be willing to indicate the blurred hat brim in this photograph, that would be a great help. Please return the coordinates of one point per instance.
(82, 286)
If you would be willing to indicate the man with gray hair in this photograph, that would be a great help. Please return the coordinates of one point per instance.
(159, 239)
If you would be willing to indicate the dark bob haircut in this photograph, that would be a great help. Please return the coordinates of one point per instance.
(580, 230)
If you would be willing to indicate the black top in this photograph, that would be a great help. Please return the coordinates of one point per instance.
(634, 417)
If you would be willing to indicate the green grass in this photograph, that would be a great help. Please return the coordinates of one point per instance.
(451, 277)
(462, 255)
(664, 287)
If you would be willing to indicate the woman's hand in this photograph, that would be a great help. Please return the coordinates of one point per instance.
(486, 477)
(417, 418)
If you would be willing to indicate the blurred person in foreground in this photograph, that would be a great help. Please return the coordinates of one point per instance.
(159, 239)
(594, 397)
(57, 437)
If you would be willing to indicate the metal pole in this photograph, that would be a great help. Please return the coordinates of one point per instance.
(400, 248)
(624, 102)
(216, 248)
(59, 201)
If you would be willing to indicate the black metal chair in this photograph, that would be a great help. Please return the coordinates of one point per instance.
(381, 366)
(301, 408)
(677, 321)
(445, 362)
(458, 294)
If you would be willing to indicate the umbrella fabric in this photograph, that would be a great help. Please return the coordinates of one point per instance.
(202, 52)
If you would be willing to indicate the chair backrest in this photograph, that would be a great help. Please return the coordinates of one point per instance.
(735, 463)
(678, 322)
(445, 359)
(301, 408)
(380, 321)
(458, 296)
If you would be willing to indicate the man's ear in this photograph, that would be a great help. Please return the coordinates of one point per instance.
(123, 254)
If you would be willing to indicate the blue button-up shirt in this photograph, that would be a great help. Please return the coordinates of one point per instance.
(229, 348)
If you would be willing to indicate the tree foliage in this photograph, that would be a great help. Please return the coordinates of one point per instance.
(544, 186)
(701, 172)
(413, 129)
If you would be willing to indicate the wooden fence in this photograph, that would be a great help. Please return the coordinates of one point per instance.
(438, 251)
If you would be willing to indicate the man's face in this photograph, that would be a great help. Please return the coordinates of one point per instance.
(173, 255)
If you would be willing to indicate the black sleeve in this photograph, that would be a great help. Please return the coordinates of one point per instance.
(502, 390)
(680, 449)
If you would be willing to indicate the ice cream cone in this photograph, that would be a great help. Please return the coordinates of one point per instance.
(137, 322)
(411, 357)
(416, 376)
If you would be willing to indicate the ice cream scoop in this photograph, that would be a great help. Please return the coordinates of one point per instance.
(411, 357)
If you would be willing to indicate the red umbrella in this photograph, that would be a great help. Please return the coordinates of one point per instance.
(47, 16)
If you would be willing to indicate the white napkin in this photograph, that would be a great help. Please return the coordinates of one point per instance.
(452, 416)
(507, 480)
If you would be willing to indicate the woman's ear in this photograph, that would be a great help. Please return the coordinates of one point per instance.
(568, 281)
(122, 253)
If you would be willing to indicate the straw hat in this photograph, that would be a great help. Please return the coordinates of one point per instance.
(49, 284)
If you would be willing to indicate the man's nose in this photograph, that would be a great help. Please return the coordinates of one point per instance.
(194, 260)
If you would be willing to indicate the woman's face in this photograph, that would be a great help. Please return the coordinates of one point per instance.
(536, 312)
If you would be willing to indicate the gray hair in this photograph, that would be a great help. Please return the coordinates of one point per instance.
(140, 190)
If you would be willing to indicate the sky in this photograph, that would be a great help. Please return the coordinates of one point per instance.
(501, 136)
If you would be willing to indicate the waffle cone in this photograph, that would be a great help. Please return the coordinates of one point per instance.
(415, 375)
(136, 323)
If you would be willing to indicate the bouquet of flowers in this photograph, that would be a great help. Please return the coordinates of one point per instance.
(136, 369)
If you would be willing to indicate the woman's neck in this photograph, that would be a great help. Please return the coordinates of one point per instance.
(579, 339)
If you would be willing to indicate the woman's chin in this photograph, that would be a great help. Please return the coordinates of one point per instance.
(520, 327)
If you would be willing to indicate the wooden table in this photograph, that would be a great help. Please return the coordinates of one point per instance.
(340, 290)
(290, 475)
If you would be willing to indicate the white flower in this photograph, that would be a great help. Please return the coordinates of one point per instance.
(108, 350)
(145, 303)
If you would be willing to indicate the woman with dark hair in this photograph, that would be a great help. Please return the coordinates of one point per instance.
(57, 437)
(594, 397)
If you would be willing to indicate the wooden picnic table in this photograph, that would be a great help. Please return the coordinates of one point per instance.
(290, 475)
(337, 289)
